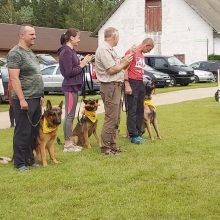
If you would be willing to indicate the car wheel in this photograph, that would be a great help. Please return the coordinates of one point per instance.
(1, 100)
(196, 79)
(215, 78)
(172, 81)
(46, 92)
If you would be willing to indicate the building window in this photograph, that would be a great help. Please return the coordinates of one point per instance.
(153, 15)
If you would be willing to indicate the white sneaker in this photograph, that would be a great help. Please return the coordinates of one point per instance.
(72, 148)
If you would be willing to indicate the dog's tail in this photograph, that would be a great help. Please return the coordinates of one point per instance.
(59, 142)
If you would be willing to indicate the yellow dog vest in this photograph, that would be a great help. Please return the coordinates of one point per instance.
(46, 129)
(150, 103)
(91, 115)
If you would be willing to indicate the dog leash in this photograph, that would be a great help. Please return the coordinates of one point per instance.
(32, 124)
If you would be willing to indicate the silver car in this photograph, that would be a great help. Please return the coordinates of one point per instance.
(203, 76)
(53, 79)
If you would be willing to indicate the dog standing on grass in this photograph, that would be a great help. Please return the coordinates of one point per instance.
(87, 124)
(150, 111)
(49, 123)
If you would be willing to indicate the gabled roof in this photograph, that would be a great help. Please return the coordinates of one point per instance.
(95, 32)
(48, 39)
(209, 10)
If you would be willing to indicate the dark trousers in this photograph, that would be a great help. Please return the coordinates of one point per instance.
(25, 134)
(111, 94)
(135, 108)
(11, 115)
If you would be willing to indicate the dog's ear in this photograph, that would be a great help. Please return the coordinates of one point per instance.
(48, 106)
(61, 105)
(96, 101)
(85, 101)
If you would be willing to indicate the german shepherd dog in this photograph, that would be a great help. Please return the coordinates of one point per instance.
(150, 111)
(49, 123)
(87, 124)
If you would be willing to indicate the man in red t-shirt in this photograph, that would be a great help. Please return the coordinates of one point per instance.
(135, 91)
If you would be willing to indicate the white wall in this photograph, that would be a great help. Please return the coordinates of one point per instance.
(217, 45)
(183, 30)
(129, 20)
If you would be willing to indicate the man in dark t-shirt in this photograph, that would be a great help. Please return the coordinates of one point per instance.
(28, 90)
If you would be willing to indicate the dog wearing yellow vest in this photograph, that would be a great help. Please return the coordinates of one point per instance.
(150, 111)
(87, 124)
(49, 123)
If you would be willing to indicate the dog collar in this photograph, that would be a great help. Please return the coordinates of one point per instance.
(91, 115)
(47, 129)
(150, 103)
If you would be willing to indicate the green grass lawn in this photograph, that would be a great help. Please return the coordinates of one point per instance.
(177, 177)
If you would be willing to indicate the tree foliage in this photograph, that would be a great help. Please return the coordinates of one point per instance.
(82, 14)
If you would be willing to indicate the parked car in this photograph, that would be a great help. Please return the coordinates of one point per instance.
(3, 84)
(178, 72)
(45, 60)
(3, 61)
(203, 76)
(53, 80)
(160, 79)
(211, 66)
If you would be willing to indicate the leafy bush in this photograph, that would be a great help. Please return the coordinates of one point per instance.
(213, 57)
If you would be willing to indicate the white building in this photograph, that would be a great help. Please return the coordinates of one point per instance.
(189, 29)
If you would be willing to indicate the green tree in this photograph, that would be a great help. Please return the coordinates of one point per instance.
(8, 13)
(25, 15)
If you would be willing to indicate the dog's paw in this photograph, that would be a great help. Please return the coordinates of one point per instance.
(56, 161)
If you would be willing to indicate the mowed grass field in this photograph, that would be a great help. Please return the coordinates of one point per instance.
(177, 177)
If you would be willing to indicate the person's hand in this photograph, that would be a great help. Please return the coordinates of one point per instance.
(87, 59)
(127, 60)
(128, 89)
(23, 104)
(133, 49)
(41, 101)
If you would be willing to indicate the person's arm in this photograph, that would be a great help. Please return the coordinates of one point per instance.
(16, 85)
(122, 65)
(128, 89)
(66, 62)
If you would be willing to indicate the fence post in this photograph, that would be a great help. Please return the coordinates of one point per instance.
(218, 77)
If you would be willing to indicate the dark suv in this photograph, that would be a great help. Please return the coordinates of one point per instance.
(211, 66)
(179, 72)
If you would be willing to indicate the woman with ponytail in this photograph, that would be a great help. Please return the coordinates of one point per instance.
(72, 70)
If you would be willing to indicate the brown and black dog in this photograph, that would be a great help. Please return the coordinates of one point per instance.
(150, 111)
(87, 124)
(49, 123)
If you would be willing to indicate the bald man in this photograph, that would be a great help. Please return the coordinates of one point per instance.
(135, 91)
(28, 90)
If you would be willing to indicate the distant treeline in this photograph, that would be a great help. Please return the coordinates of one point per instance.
(82, 14)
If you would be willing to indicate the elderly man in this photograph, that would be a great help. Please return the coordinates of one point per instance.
(109, 70)
(28, 90)
(134, 88)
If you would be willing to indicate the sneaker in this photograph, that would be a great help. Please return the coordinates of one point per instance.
(35, 164)
(106, 151)
(140, 138)
(23, 169)
(135, 140)
(72, 148)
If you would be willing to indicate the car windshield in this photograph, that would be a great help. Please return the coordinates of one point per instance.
(148, 68)
(173, 61)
